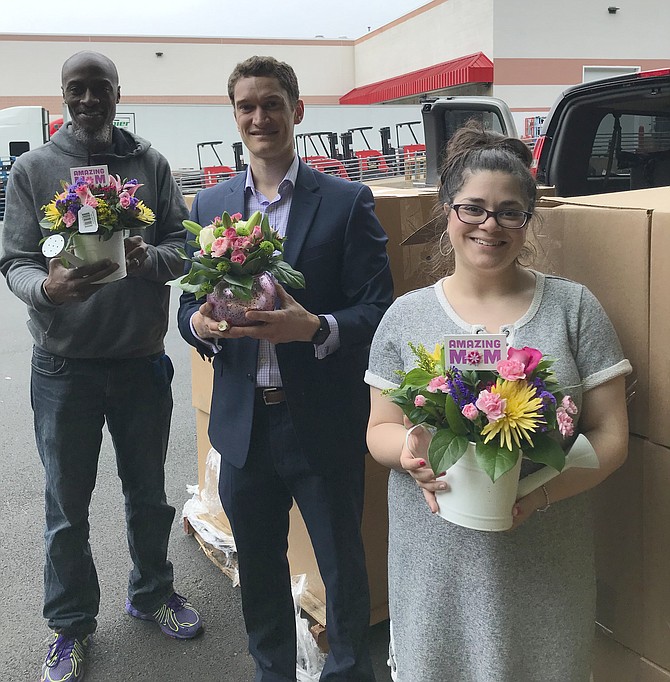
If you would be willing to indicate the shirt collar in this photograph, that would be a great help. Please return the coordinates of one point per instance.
(290, 177)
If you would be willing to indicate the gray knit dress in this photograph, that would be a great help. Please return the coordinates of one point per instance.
(474, 606)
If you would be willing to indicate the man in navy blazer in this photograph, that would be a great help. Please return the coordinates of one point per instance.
(289, 405)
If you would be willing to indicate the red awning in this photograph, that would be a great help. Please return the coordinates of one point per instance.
(475, 68)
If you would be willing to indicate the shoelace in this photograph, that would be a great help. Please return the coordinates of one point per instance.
(61, 648)
(175, 602)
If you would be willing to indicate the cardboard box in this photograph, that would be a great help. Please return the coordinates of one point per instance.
(618, 245)
(632, 509)
(656, 555)
(618, 520)
(300, 552)
(613, 662)
(401, 213)
(608, 251)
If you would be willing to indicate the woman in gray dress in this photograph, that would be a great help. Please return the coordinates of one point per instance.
(515, 606)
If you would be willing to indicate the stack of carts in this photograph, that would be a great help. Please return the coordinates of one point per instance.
(5, 166)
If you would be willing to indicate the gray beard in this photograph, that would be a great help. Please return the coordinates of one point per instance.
(100, 139)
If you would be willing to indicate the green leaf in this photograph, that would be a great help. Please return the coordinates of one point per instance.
(285, 274)
(546, 451)
(192, 227)
(416, 378)
(494, 460)
(445, 450)
(454, 417)
(241, 292)
(244, 281)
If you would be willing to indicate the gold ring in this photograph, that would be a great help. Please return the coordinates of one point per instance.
(223, 326)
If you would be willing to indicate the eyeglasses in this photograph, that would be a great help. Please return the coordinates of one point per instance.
(510, 219)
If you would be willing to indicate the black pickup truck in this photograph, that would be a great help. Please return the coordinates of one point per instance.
(609, 135)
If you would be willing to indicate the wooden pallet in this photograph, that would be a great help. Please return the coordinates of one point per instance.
(312, 608)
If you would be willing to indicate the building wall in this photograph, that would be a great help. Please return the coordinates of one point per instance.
(437, 32)
(581, 29)
(190, 70)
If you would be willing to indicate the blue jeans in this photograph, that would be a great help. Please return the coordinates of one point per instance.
(71, 401)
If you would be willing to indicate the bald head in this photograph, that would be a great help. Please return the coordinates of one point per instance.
(89, 58)
(90, 84)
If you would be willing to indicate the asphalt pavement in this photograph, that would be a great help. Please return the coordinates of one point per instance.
(124, 648)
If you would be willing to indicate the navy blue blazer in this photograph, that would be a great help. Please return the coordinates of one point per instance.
(336, 241)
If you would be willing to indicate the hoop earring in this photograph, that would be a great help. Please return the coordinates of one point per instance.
(449, 251)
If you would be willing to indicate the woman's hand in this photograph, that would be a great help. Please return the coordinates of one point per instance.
(414, 460)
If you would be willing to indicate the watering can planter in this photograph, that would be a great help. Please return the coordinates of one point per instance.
(89, 248)
(475, 501)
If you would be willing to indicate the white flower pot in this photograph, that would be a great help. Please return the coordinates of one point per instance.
(473, 499)
(91, 248)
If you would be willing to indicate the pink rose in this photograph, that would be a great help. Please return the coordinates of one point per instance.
(238, 257)
(419, 401)
(528, 357)
(565, 423)
(569, 405)
(511, 370)
(438, 384)
(124, 199)
(257, 233)
(492, 405)
(470, 412)
(69, 219)
(230, 233)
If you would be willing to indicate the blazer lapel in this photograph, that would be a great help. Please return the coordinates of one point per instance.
(234, 200)
(304, 205)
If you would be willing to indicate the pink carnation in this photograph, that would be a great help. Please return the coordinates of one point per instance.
(470, 412)
(511, 370)
(419, 401)
(569, 405)
(528, 357)
(492, 405)
(438, 384)
(235, 217)
(230, 233)
(565, 423)
(69, 219)
(220, 246)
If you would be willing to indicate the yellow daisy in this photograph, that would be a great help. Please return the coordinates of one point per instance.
(522, 414)
(51, 213)
(146, 215)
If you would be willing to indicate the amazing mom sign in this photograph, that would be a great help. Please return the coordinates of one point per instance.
(475, 351)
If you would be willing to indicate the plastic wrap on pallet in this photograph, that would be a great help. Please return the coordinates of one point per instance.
(205, 506)
(310, 660)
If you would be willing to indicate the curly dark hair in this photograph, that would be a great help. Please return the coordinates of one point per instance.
(267, 67)
(473, 149)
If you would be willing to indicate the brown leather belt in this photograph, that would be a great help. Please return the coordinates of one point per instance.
(271, 396)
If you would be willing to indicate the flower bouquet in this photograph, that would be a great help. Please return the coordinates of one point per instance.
(483, 421)
(234, 264)
(516, 409)
(115, 207)
(93, 218)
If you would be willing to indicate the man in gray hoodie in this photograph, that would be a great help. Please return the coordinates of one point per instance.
(98, 357)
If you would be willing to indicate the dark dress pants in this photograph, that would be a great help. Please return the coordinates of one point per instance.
(257, 500)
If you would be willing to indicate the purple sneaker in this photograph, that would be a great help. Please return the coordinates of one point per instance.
(176, 617)
(65, 660)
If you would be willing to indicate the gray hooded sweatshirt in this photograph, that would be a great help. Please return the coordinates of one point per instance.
(124, 319)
